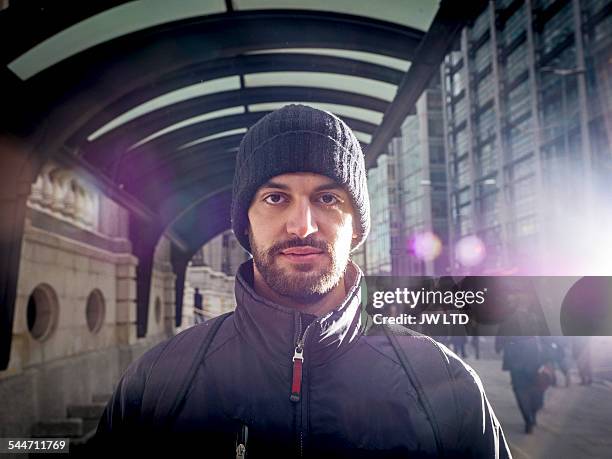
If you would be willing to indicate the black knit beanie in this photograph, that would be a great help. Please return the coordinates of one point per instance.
(298, 138)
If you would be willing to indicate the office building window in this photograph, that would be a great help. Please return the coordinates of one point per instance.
(515, 26)
(482, 57)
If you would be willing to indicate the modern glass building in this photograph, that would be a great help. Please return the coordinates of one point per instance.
(422, 190)
(382, 187)
(526, 98)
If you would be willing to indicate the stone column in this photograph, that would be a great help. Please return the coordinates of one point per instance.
(126, 300)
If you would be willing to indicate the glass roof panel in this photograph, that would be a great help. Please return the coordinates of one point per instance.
(190, 121)
(414, 13)
(363, 137)
(115, 22)
(212, 137)
(173, 97)
(340, 110)
(358, 113)
(392, 62)
(365, 86)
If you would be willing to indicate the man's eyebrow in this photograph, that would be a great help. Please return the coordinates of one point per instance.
(330, 186)
(282, 186)
(271, 184)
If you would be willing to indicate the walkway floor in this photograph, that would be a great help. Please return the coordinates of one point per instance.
(576, 422)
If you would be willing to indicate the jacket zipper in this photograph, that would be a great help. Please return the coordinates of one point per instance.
(296, 380)
(243, 434)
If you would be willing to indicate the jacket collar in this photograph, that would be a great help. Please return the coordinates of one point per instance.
(274, 328)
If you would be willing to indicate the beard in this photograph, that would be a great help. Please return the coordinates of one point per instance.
(304, 282)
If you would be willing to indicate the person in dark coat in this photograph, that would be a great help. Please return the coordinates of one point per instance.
(521, 358)
(581, 351)
(295, 371)
(558, 358)
(197, 305)
(523, 355)
(458, 342)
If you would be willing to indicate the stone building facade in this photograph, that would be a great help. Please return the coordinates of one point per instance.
(75, 317)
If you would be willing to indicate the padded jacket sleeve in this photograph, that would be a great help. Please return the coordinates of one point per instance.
(121, 417)
(481, 434)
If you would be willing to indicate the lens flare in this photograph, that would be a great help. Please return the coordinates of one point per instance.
(425, 246)
(470, 251)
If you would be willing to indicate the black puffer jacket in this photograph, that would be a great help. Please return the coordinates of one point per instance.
(355, 399)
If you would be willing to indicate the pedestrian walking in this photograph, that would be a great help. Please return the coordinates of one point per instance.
(521, 357)
(198, 310)
(476, 346)
(458, 342)
(581, 348)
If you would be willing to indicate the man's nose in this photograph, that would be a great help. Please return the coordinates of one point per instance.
(301, 219)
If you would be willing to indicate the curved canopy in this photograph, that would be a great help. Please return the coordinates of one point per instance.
(149, 99)
(153, 97)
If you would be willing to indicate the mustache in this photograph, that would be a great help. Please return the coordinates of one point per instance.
(308, 241)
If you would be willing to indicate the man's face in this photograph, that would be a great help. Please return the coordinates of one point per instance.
(301, 229)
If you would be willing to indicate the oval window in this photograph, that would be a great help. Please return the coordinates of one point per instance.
(42, 312)
(95, 311)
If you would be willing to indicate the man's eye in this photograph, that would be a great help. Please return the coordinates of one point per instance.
(329, 199)
(274, 199)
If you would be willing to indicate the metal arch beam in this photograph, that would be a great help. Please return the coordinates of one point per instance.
(172, 173)
(448, 22)
(158, 119)
(197, 227)
(217, 204)
(220, 68)
(43, 23)
(25, 24)
(189, 191)
(158, 184)
(172, 140)
(206, 175)
(174, 218)
(72, 91)
(164, 153)
(194, 223)
(220, 144)
(105, 151)
(192, 191)
(189, 185)
(182, 136)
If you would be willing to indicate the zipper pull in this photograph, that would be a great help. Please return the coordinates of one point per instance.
(296, 385)
(242, 441)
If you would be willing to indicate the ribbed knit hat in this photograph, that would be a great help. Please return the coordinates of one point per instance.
(298, 138)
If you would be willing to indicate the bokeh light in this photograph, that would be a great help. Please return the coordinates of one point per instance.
(425, 246)
(470, 251)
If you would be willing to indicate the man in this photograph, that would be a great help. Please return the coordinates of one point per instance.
(523, 356)
(581, 350)
(198, 307)
(294, 371)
